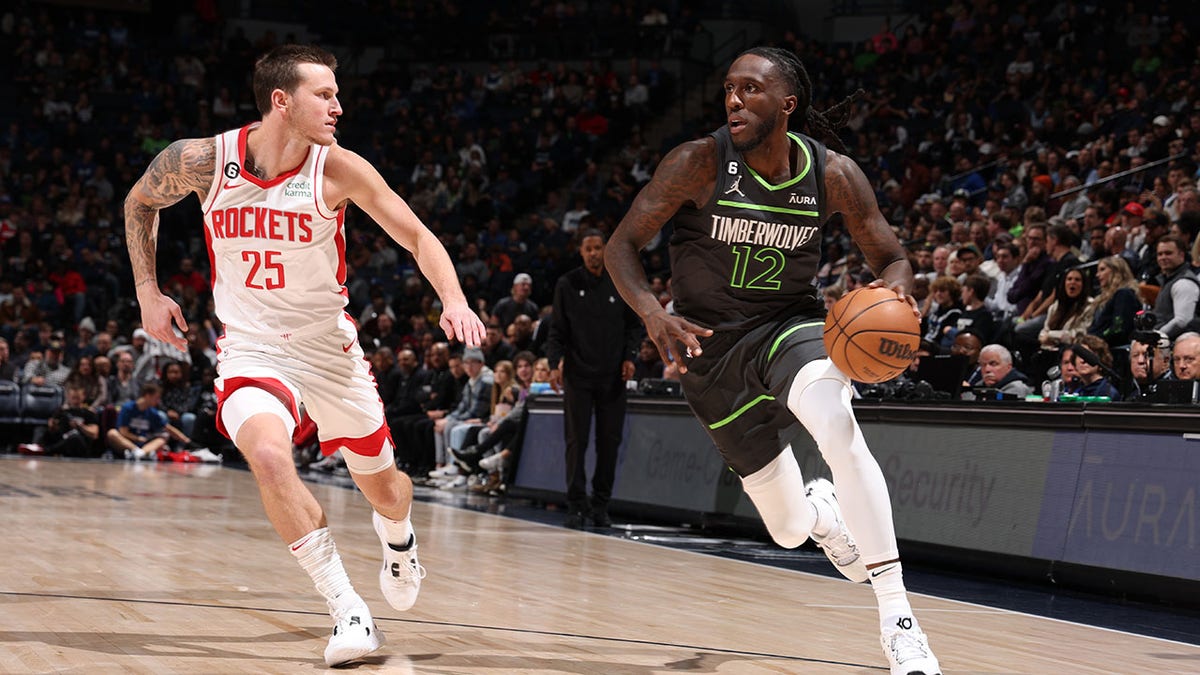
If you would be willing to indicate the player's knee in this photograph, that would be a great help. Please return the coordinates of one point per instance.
(833, 427)
(823, 406)
(819, 370)
(265, 451)
(789, 534)
(367, 455)
(817, 387)
(255, 418)
(777, 491)
(827, 419)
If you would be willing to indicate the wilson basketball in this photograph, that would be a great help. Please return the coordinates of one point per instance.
(872, 335)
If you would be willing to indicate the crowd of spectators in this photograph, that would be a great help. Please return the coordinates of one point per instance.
(1039, 161)
(977, 122)
(503, 162)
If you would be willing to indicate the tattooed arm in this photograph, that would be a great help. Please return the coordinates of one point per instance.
(848, 192)
(687, 175)
(185, 167)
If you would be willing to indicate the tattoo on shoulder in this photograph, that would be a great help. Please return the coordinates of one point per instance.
(684, 177)
(845, 196)
(695, 170)
(184, 167)
(849, 193)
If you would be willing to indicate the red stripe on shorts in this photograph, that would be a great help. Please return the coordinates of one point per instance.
(367, 446)
(267, 384)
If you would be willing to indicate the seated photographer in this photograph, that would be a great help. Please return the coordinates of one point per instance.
(1092, 362)
(996, 372)
(1149, 362)
(73, 430)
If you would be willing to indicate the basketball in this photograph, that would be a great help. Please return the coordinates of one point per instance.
(872, 335)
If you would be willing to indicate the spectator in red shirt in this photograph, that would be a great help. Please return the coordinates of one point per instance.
(71, 288)
(591, 122)
(188, 276)
(885, 40)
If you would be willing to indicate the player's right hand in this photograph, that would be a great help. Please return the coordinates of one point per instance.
(675, 337)
(158, 311)
(460, 323)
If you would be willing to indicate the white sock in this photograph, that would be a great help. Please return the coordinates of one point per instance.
(399, 532)
(318, 555)
(890, 593)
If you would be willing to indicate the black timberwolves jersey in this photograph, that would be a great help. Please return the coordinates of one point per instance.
(750, 254)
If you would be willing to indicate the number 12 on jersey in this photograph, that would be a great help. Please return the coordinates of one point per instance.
(768, 265)
(266, 272)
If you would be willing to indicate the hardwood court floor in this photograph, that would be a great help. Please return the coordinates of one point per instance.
(142, 568)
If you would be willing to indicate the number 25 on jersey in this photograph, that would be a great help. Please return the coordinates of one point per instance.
(266, 272)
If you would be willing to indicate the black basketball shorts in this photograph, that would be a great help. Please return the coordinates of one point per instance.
(738, 388)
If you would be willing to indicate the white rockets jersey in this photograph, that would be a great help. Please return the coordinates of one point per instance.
(278, 255)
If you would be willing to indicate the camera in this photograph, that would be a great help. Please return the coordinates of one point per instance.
(660, 388)
(903, 389)
(1145, 320)
(1143, 330)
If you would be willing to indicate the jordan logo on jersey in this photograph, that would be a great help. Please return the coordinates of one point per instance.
(298, 188)
(734, 187)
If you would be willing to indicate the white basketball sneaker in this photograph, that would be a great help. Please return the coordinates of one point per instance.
(400, 578)
(907, 648)
(354, 636)
(837, 544)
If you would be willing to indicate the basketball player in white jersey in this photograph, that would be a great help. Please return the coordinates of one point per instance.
(274, 195)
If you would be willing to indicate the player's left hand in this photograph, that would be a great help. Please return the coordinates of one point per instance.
(898, 287)
(461, 323)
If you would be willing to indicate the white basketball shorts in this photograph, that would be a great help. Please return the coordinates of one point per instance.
(327, 372)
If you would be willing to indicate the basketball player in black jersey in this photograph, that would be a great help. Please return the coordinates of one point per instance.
(748, 204)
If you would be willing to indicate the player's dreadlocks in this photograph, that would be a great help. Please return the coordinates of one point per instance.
(822, 126)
